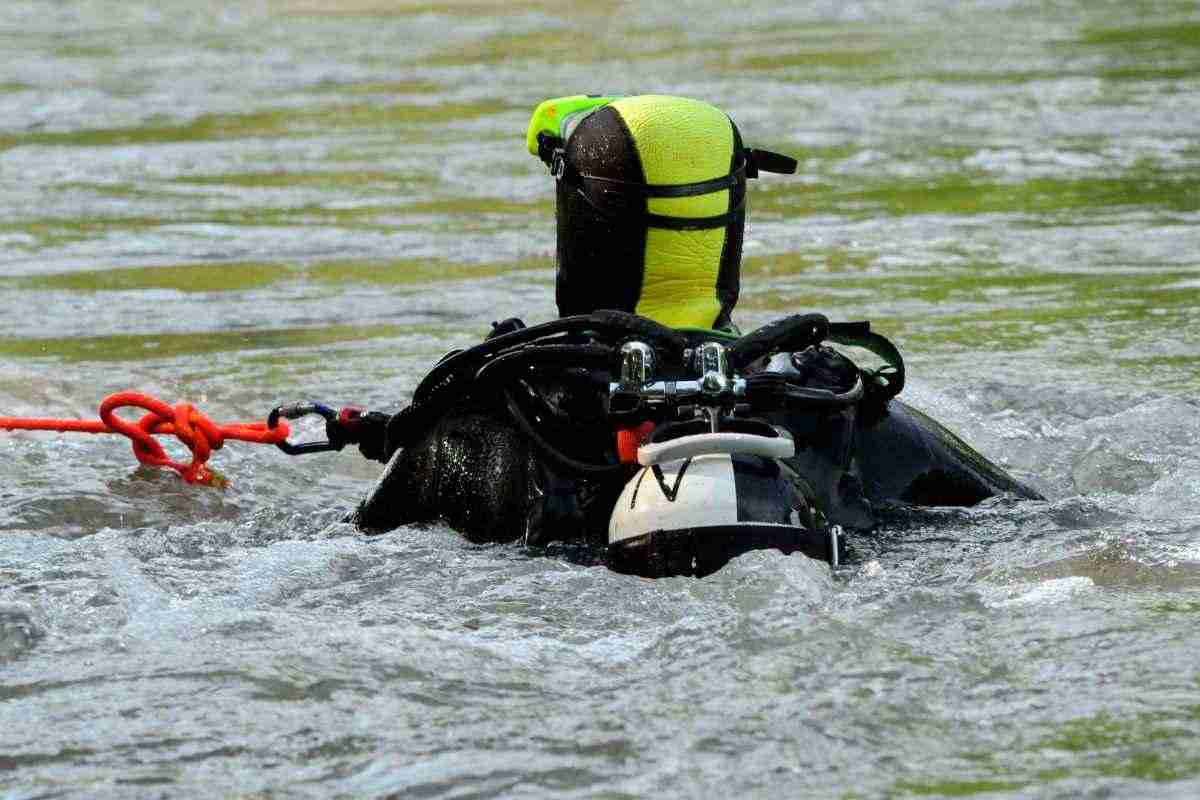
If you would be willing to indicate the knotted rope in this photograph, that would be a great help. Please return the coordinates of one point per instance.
(184, 421)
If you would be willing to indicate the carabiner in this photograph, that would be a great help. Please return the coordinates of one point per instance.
(335, 441)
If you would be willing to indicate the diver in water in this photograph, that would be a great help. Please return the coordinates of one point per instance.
(529, 435)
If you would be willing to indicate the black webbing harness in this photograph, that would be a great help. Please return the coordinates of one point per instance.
(617, 194)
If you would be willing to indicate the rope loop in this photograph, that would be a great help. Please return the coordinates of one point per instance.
(184, 421)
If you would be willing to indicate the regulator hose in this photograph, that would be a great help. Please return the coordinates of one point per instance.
(508, 365)
(771, 391)
(797, 332)
(565, 462)
(608, 324)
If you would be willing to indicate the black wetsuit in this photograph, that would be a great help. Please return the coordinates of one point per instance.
(475, 470)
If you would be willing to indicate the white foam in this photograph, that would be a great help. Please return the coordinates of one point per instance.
(1049, 592)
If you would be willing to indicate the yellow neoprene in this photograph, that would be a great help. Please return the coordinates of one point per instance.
(681, 141)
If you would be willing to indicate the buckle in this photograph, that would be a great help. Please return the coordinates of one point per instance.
(558, 164)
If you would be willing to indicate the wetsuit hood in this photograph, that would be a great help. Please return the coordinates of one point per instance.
(650, 206)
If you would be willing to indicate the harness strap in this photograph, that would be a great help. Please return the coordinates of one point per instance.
(885, 382)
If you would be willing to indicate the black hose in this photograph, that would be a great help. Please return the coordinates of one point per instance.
(507, 365)
(772, 391)
(807, 397)
(553, 453)
(613, 324)
(465, 363)
(797, 332)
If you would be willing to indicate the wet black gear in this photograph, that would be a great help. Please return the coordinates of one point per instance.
(474, 466)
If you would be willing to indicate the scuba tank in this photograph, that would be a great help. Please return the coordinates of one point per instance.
(715, 481)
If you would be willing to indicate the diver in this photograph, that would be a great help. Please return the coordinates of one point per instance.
(520, 438)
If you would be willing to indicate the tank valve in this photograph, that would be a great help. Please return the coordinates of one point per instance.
(637, 365)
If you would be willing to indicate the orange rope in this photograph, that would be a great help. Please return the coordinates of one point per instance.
(201, 435)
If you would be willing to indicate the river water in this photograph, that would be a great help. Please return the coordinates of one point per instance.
(247, 203)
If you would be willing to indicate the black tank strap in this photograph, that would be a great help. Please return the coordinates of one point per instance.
(552, 150)
(664, 221)
(574, 179)
(693, 223)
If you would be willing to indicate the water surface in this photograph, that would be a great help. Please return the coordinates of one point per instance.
(241, 204)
